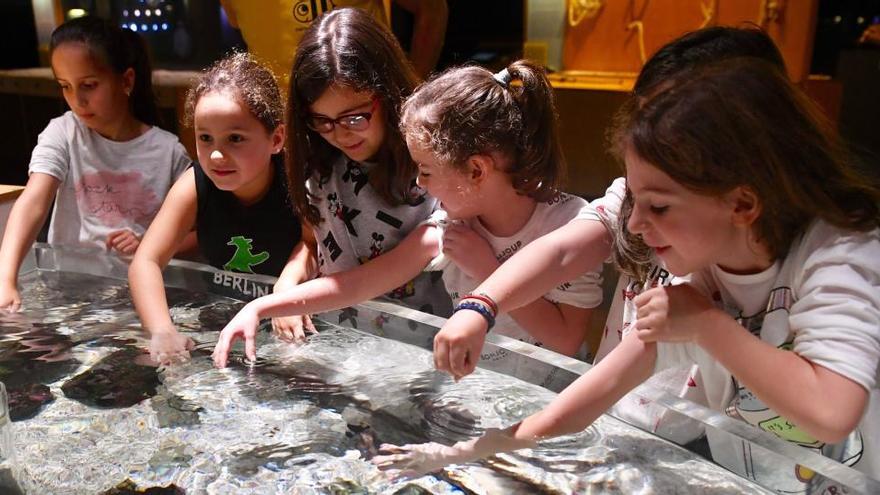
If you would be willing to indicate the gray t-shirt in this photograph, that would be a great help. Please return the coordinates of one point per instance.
(105, 185)
(358, 225)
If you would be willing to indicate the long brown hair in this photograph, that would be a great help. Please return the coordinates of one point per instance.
(120, 49)
(465, 111)
(349, 48)
(741, 122)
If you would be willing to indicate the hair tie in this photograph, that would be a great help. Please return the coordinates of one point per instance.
(502, 77)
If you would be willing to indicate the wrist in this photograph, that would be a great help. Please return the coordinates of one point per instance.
(712, 320)
(163, 329)
(481, 308)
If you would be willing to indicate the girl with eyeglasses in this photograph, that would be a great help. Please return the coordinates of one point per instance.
(235, 197)
(350, 175)
(489, 151)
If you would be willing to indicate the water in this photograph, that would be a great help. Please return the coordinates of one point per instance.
(90, 413)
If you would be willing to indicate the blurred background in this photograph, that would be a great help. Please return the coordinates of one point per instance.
(594, 49)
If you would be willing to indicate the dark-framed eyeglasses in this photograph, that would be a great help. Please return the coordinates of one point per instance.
(352, 121)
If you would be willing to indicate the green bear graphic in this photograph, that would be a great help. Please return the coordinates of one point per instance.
(244, 259)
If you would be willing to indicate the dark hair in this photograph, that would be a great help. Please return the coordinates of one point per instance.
(246, 80)
(703, 46)
(741, 122)
(466, 111)
(347, 47)
(120, 49)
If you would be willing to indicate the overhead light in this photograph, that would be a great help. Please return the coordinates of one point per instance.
(74, 13)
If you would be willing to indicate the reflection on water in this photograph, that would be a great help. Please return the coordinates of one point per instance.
(91, 415)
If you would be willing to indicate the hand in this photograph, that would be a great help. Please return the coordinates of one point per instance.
(411, 461)
(242, 326)
(676, 313)
(10, 299)
(469, 251)
(123, 241)
(292, 328)
(169, 346)
(871, 35)
(458, 344)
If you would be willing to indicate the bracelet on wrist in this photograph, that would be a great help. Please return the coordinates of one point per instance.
(485, 299)
(484, 311)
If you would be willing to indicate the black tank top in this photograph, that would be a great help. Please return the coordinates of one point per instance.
(249, 239)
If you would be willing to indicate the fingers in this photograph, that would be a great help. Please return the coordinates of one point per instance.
(459, 361)
(309, 326)
(441, 354)
(250, 347)
(13, 307)
(221, 350)
(163, 358)
(124, 241)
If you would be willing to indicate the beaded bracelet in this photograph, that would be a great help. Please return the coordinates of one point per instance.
(486, 299)
(479, 308)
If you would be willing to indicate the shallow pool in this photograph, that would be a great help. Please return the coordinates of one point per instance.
(91, 415)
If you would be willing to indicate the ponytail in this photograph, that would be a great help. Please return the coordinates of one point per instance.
(467, 111)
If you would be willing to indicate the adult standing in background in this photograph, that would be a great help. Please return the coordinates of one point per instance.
(272, 28)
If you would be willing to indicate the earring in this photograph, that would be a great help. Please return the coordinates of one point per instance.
(127, 92)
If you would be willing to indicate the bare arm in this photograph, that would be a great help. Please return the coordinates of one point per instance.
(25, 220)
(337, 290)
(629, 364)
(429, 32)
(363, 282)
(785, 381)
(557, 257)
(520, 282)
(173, 222)
(302, 264)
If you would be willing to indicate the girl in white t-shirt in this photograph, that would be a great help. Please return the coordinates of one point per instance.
(105, 162)
(733, 177)
(488, 150)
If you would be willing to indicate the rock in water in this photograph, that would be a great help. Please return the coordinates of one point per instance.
(113, 382)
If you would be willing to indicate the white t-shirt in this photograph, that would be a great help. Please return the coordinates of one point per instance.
(682, 381)
(105, 185)
(583, 292)
(358, 225)
(821, 301)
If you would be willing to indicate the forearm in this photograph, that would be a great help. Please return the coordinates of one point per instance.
(546, 322)
(300, 267)
(25, 220)
(628, 365)
(822, 403)
(148, 294)
(335, 291)
(547, 262)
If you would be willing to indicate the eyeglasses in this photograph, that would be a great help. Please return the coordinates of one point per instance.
(352, 122)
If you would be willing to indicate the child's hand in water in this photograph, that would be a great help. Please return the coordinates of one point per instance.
(292, 328)
(243, 326)
(168, 346)
(458, 344)
(10, 299)
(469, 251)
(411, 461)
(123, 241)
(676, 313)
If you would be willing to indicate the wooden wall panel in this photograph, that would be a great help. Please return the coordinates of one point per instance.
(610, 41)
